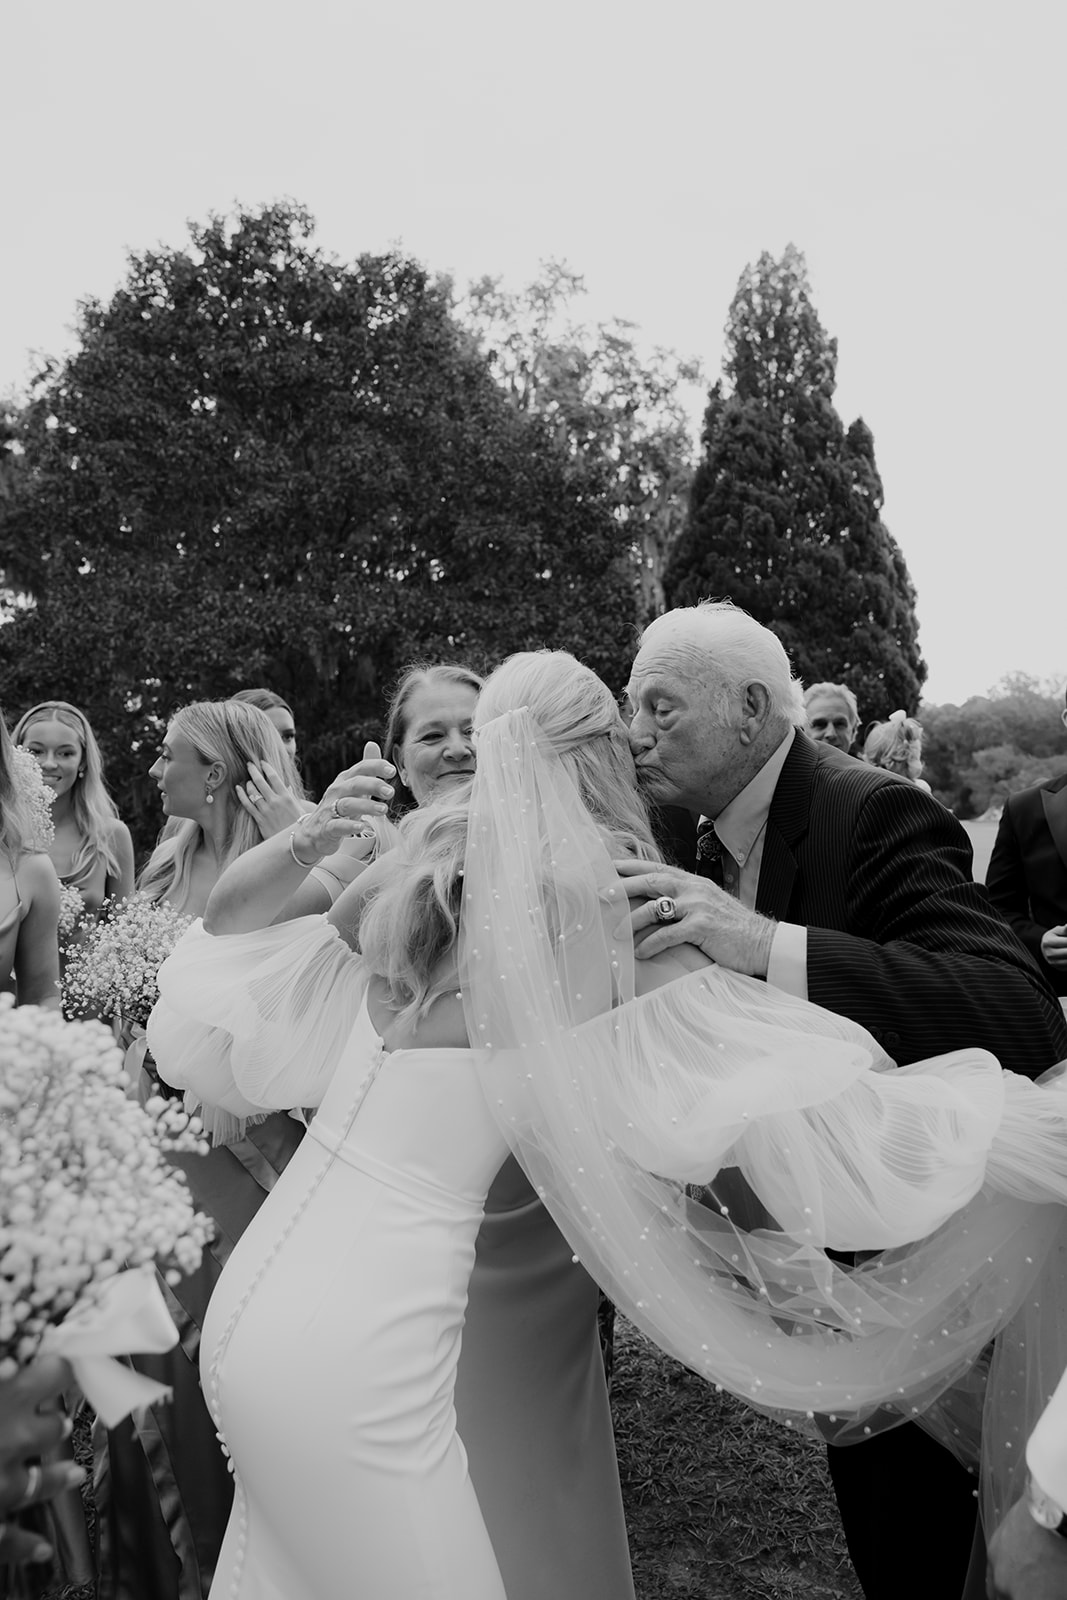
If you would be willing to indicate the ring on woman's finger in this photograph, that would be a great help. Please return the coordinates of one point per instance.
(253, 797)
(664, 909)
(33, 1481)
(335, 810)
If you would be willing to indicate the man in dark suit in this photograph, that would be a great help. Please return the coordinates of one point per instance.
(852, 887)
(1027, 876)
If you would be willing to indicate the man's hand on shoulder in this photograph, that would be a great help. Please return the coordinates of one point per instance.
(704, 916)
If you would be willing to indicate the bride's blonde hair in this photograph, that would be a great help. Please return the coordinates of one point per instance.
(409, 927)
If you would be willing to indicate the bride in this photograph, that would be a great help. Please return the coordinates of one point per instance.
(494, 1002)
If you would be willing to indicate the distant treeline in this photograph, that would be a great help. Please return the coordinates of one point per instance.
(994, 745)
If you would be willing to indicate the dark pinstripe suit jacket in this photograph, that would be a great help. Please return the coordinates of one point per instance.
(1027, 877)
(900, 938)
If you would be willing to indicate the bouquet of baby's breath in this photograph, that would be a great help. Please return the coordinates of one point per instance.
(72, 913)
(113, 972)
(86, 1189)
(34, 799)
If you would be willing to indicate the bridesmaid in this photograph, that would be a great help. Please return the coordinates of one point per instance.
(29, 896)
(92, 850)
(29, 964)
(279, 712)
(163, 1491)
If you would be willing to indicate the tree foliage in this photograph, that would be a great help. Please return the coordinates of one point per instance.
(977, 754)
(785, 508)
(615, 408)
(265, 466)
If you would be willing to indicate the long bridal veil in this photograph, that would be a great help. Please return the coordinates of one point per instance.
(950, 1176)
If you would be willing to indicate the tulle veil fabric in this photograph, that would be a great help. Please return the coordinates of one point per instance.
(952, 1171)
(254, 1022)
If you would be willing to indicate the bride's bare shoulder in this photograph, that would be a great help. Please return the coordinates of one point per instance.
(668, 965)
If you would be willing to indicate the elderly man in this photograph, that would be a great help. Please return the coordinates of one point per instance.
(845, 885)
(832, 713)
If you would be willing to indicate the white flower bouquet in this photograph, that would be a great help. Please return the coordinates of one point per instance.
(72, 913)
(35, 797)
(88, 1204)
(113, 971)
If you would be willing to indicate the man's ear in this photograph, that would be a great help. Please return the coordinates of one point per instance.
(755, 708)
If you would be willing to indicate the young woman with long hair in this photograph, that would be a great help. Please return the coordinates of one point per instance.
(29, 894)
(163, 1492)
(92, 850)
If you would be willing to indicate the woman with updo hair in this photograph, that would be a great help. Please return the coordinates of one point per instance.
(92, 850)
(897, 746)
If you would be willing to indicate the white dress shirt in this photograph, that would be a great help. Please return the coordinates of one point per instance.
(742, 831)
(1046, 1453)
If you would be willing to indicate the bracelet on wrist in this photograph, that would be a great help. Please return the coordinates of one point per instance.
(307, 865)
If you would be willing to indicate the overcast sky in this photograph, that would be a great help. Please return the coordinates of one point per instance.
(913, 151)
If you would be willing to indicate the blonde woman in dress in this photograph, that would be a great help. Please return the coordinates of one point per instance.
(163, 1490)
(29, 896)
(92, 850)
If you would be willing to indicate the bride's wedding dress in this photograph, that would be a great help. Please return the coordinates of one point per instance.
(331, 1343)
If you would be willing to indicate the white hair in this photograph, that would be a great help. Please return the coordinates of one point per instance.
(720, 644)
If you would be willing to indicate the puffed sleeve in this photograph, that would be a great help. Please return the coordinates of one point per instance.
(255, 1022)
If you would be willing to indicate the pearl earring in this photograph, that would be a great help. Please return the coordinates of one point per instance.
(210, 798)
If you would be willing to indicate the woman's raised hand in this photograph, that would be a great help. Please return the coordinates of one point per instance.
(357, 796)
(268, 799)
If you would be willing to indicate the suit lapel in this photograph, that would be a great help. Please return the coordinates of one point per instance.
(787, 821)
(776, 874)
(1054, 802)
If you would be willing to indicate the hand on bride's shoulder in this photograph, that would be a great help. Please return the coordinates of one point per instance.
(667, 965)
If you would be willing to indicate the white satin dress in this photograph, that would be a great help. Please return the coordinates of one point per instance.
(330, 1347)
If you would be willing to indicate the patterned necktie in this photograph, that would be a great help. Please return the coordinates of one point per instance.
(709, 852)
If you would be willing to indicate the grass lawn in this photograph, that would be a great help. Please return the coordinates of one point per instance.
(721, 1504)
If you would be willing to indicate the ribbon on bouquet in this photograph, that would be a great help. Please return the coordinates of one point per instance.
(126, 1316)
(133, 1041)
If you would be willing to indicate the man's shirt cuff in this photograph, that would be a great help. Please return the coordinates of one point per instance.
(1046, 1453)
(788, 965)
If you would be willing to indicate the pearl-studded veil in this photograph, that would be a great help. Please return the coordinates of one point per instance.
(806, 1137)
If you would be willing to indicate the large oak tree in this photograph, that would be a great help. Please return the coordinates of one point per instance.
(265, 466)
